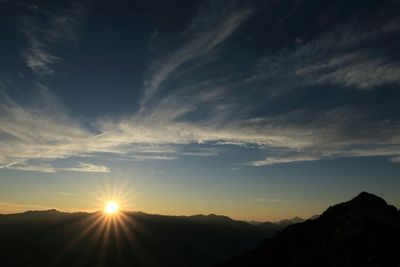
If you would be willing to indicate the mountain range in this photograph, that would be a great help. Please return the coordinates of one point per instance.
(364, 231)
(54, 238)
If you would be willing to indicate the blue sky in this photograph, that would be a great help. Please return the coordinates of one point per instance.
(254, 109)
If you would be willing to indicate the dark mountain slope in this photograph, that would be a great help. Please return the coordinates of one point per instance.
(53, 238)
(364, 231)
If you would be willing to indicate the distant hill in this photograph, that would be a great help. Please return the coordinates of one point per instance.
(53, 238)
(364, 231)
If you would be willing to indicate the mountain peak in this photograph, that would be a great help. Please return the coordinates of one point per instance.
(212, 218)
(42, 211)
(366, 197)
(361, 232)
(363, 205)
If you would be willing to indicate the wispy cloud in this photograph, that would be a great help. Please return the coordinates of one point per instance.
(342, 56)
(210, 31)
(41, 167)
(40, 55)
(25, 165)
(8, 165)
(151, 157)
(283, 159)
(32, 134)
(365, 74)
(86, 167)
(395, 159)
(37, 56)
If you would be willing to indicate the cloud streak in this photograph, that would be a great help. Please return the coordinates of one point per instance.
(38, 55)
(208, 37)
(87, 167)
(395, 159)
(342, 56)
(32, 134)
(41, 167)
(283, 159)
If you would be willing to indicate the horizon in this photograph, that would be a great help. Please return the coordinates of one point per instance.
(191, 215)
(155, 214)
(200, 214)
(256, 110)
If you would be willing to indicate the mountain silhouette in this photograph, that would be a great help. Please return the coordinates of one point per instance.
(54, 238)
(364, 231)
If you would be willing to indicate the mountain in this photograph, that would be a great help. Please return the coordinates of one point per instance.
(364, 231)
(54, 238)
(288, 222)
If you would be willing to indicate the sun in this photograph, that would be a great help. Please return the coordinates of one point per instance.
(111, 207)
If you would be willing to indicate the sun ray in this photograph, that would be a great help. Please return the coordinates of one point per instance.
(110, 228)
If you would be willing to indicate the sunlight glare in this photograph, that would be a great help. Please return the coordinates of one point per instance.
(111, 207)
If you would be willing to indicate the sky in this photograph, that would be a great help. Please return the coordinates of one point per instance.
(258, 110)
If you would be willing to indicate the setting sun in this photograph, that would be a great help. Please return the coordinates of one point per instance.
(111, 207)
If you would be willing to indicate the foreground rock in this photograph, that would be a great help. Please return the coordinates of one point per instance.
(364, 231)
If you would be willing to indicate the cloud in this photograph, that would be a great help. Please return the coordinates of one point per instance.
(364, 74)
(210, 31)
(39, 55)
(201, 152)
(87, 167)
(7, 165)
(283, 159)
(32, 135)
(39, 60)
(46, 168)
(29, 133)
(343, 56)
(151, 157)
(395, 159)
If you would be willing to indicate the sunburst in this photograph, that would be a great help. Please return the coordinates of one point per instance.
(111, 208)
